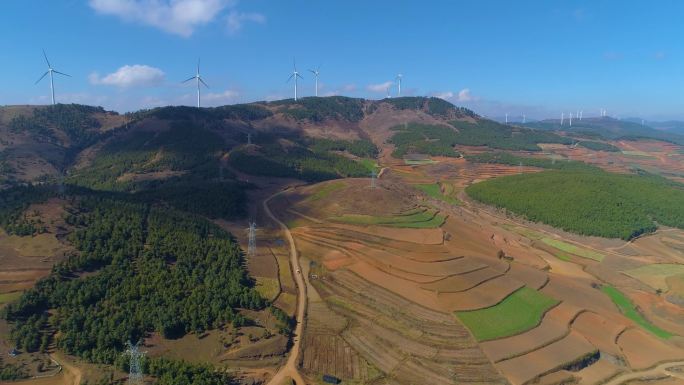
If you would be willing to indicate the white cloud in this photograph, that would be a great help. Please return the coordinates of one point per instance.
(463, 95)
(444, 95)
(179, 17)
(222, 98)
(236, 20)
(130, 76)
(382, 87)
(349, 87)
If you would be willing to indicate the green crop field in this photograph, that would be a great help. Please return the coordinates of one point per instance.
(627, 308)
(572, 249)
(9, 297)
(434, 190)
(326, 190)
(423, 219)
(519, 312)
(656, 275)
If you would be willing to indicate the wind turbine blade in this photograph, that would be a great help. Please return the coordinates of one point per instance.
(61, 73)
(46, 59)
(290, 78)
(41, 78)
(300, 76)
(198, 65)
(185, 81)
(313, 72)
(205, 84)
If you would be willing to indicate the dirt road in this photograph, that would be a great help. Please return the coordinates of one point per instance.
(658, 370)
(290, 368)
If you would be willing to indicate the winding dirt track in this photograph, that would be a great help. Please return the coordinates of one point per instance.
(290, 368)
(660, 369)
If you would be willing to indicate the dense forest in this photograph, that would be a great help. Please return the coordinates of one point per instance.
(317, 109)
(432, 105)
(149, 269)
(184, 146)
(588, 202)
(311, 164)
(75, 120)
(185, 113)
(513, 160)
(362, 148)
(416, 138)
(495, 135)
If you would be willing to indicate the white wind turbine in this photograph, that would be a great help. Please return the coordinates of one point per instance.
(316, 73)
(50, 71)
(198, 79)
(398, 79)
(294, 75)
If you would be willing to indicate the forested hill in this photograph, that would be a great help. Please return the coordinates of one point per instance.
(317, 138)
(138, 269)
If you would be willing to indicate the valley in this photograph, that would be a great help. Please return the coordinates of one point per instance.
(400, 241)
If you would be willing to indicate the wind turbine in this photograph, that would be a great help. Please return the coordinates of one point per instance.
(398, 79)
(295, 75)
(562, 117)
(49, 71)
(316, 73)
(198, 79)
(507, 118)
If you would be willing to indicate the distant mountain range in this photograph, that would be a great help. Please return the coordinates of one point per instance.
(610, 128)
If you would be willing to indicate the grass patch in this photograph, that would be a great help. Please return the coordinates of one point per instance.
(434, 190)
(370, 164)
(519, 312)
(627, 308)
(572, 249)
(268, 288)
(9, 297)
(531, 234)
(656, 275)
(326, 190)
(420, 220)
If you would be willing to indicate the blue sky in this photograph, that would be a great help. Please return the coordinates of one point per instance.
(496, 57)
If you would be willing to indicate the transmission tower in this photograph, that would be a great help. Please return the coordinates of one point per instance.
(374, 176)
(520, 168)
(251, 247)
(135, 375)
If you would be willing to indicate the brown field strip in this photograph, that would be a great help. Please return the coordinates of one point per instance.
(485, 295)
(600, 331)
(643, 350)
(598, 372)
(525, 368)
(406, 341)
(530, 276)
(462, 282)
(419, 236)
(554, 326)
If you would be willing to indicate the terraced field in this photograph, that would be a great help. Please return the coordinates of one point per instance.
(472, 297)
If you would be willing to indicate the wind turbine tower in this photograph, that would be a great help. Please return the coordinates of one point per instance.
(507, 118)
(198, 79)
(562, 117)
(580, 115)
(399, 77)
(316, 72)
(295, 75)
(571, 119)
(523, 119)
(50, 71)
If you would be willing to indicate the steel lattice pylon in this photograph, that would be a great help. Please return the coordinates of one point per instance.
(251, 247)
(135, 376)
